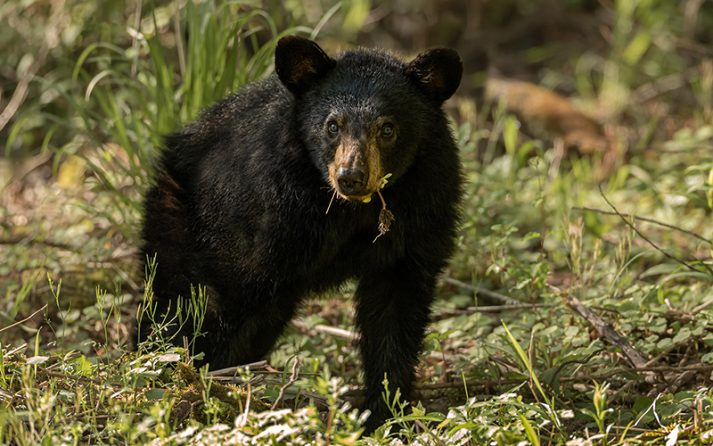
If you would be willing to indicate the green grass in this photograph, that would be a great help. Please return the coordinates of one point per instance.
(635, 249)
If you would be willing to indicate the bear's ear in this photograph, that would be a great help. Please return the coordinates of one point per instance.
(300, 62)
(437, 72)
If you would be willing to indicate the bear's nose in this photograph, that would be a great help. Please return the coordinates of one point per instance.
(351, 180)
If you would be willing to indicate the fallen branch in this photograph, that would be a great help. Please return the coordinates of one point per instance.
(606, 331)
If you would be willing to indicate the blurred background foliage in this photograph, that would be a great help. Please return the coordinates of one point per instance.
(604, 51)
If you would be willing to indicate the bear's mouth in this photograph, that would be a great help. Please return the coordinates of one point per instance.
(360, 192)
(364, 197)
(360, 198)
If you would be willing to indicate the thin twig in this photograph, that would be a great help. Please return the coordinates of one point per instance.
(233, 370)
(135, 39)
(80, 378)
(646, 219)
(319, 400)
(51, 40)
(650, 242)
(16, 349)
(17, 240)
(482, 292)
(25, 169)
(331, 200)
(580, 362)
(258, 374)
(491, 309)
(5, 395)
(702, 306)
(293, 378)
(326, 329)
(342, 333)
(179, 41)
(15, 324)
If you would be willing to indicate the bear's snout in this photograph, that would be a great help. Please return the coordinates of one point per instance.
(355, 169)
(352, 180)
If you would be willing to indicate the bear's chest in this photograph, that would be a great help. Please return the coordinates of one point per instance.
(332, 247)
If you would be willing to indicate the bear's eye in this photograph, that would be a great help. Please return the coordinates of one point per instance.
(387, 130)
(332, 128)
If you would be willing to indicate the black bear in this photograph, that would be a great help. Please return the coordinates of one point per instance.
(267, 198)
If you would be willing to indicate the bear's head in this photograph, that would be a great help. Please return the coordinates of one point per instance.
(365, 115)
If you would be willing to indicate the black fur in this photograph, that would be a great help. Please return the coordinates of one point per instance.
(240, 197)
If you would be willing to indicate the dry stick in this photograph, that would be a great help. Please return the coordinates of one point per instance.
(469, 384)
(482, 292)
(16, 349)
(15, 324)
(661, 86)
(26, 168)
(5, 395)
(326, 329)
(293, 378)
(79, 378)
(493, 309)
(51, 39)
(702, 306)
(259, 375)
(654, 245)
(341, 333)
(135, 40)
(20, 93)
(232, 370)
(646, 219)
(16, 240)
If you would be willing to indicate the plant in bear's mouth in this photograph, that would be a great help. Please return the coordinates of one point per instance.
(386, 217)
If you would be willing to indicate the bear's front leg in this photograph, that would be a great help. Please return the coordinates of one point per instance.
(393, 308)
